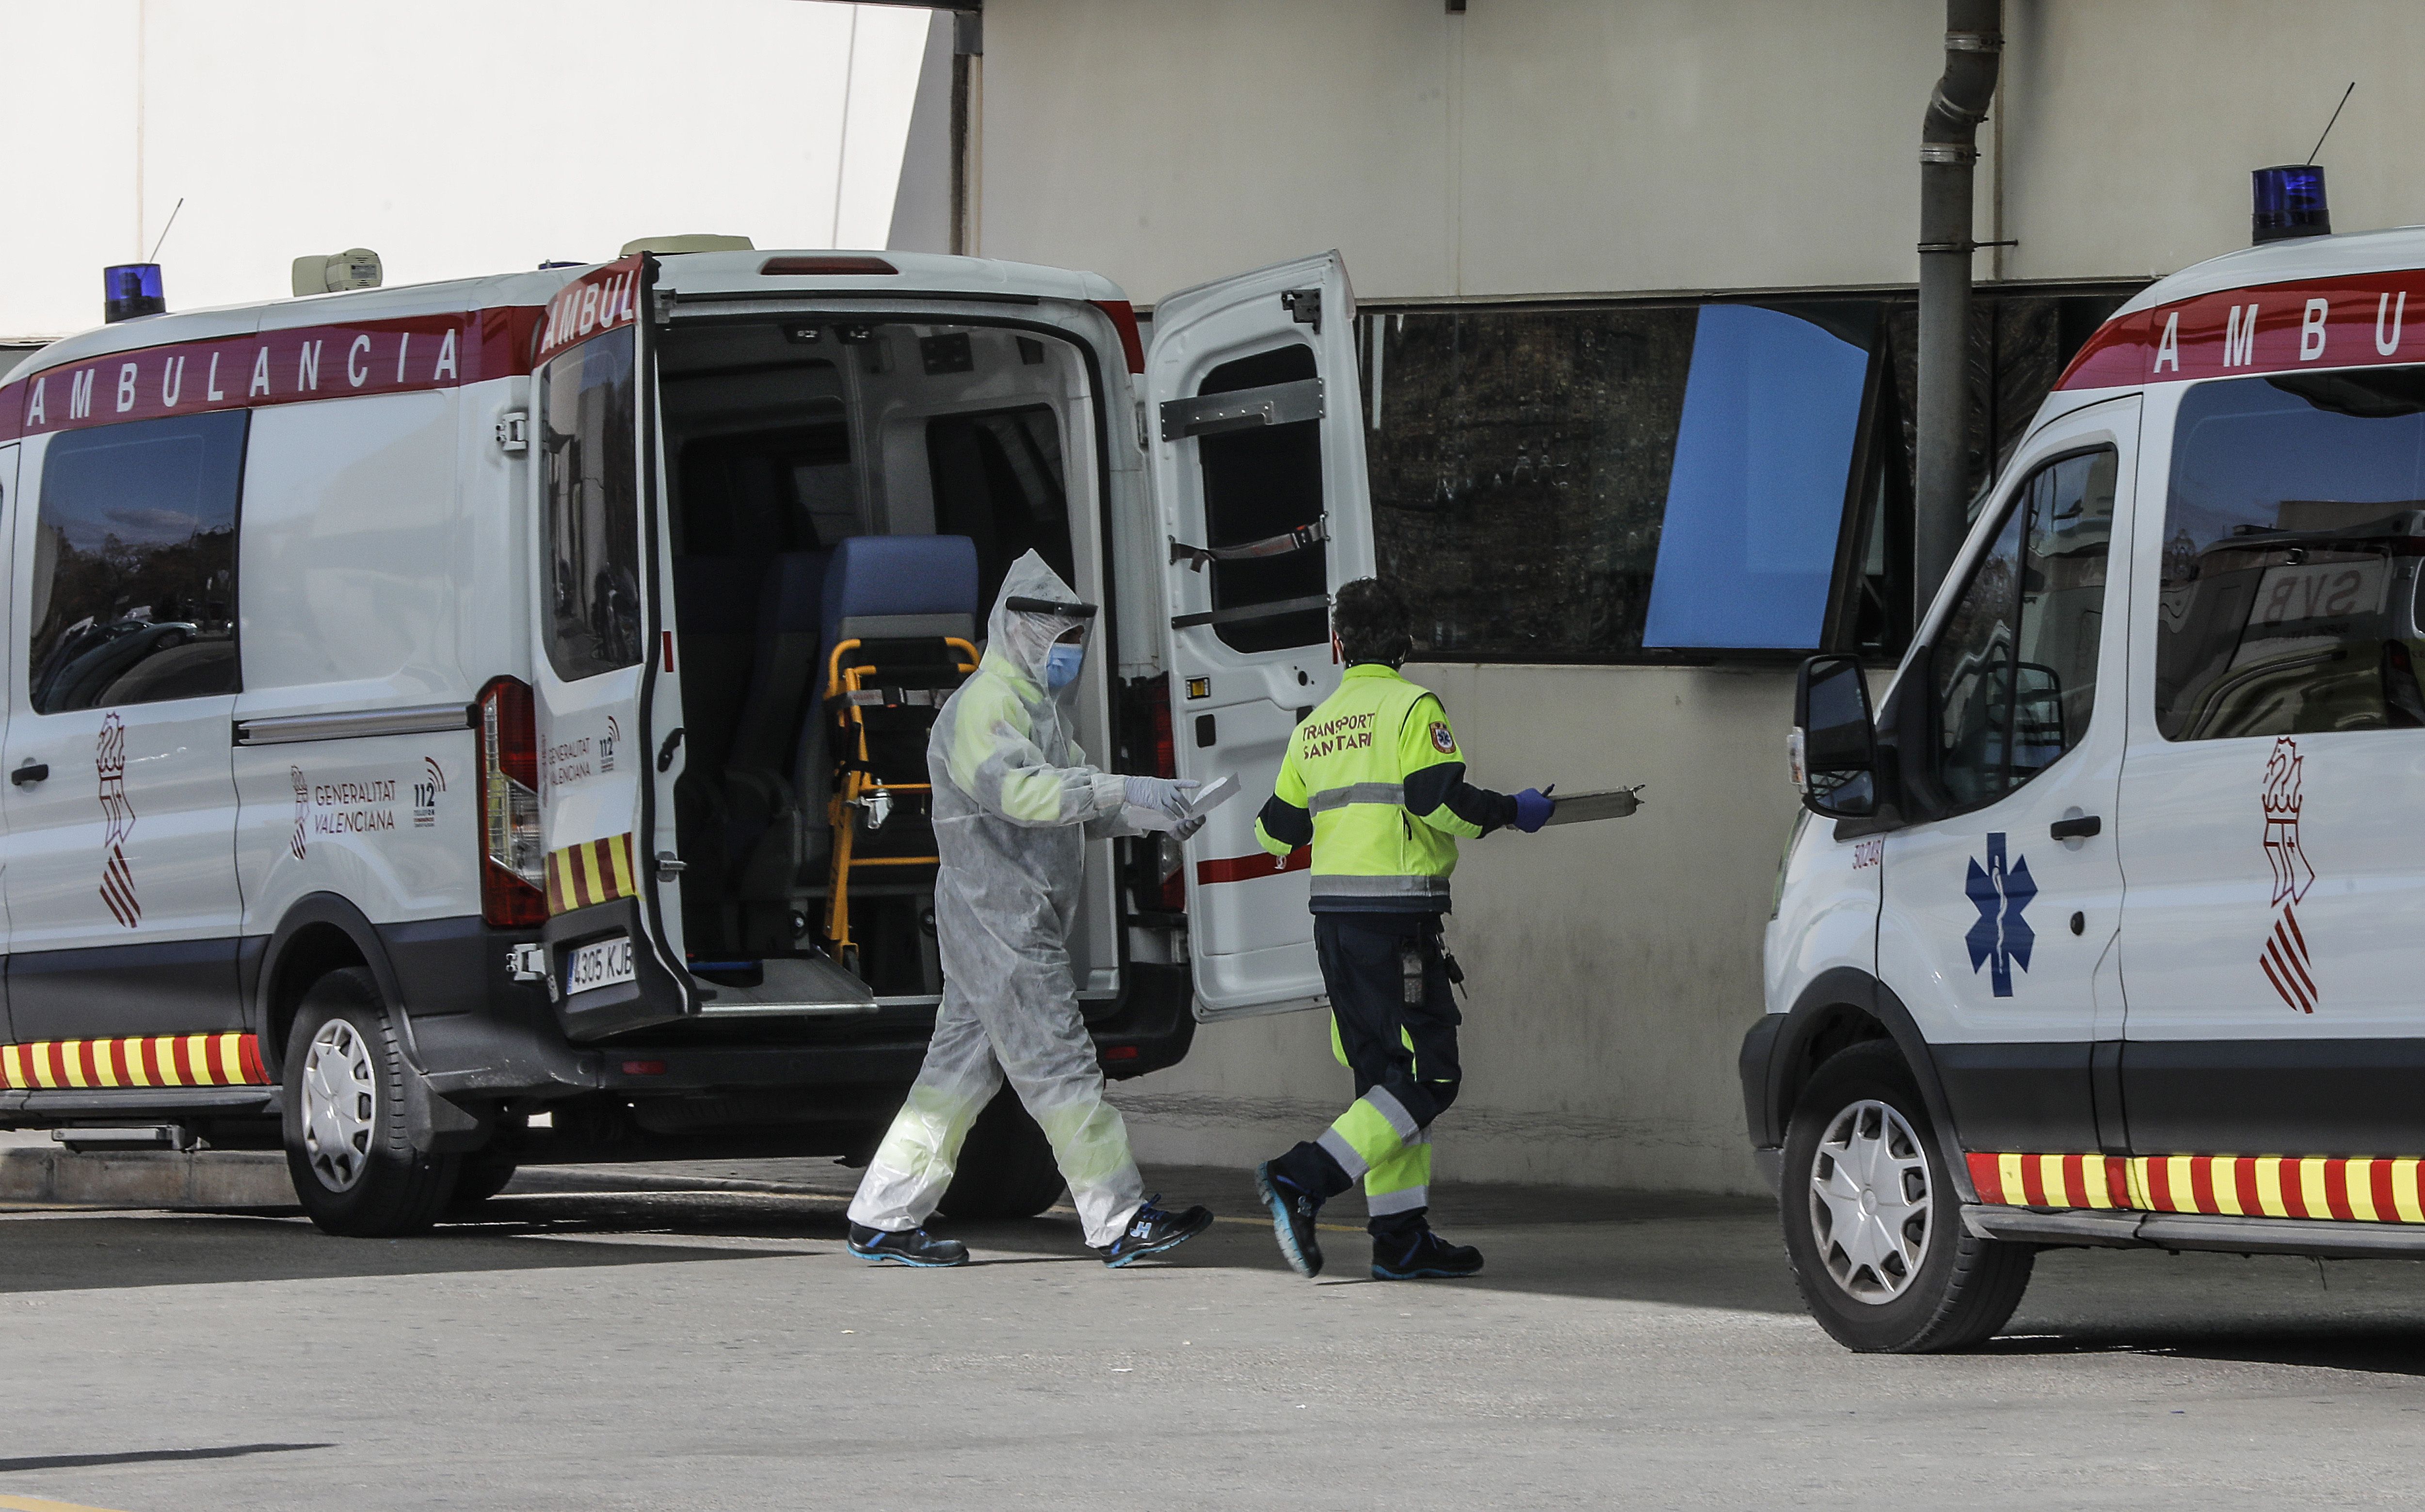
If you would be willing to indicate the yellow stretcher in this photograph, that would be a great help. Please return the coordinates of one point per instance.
(864, 791)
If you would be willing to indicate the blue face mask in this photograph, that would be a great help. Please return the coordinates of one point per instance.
(1060, 665)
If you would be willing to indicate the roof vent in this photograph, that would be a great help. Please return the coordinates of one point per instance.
(2288, 201)
(338, 271)
(697, 242)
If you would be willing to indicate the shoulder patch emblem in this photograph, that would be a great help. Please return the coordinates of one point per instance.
(1442, 741)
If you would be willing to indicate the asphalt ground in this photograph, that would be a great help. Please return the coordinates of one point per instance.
(707, 1349)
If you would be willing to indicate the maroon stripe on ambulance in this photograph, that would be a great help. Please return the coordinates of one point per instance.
(2360, 320)
(399, 355)
(1245, 868)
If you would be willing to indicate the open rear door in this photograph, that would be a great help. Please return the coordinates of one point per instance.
(1260, 466)
(597, 659)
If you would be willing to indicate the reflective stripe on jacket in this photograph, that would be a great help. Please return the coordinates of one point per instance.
(1374, 781)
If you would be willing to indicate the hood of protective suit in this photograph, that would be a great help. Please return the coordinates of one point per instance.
(1016, 640)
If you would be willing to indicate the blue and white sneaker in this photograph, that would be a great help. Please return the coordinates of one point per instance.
(1150, 1231)
(1294, 1209)
(1422, 1256)
(911, 1246)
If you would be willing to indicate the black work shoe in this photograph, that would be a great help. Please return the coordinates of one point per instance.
(1293, 1209)
(1150, 1231)
(1422, 1256)
(911, 1246)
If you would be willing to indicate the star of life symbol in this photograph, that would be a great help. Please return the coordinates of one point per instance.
(2001, 939)
(2285, 959)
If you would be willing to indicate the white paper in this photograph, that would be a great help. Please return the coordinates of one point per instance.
(1151, 821)
(1209, 798)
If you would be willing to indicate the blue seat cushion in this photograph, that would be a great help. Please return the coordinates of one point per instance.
(900, 575)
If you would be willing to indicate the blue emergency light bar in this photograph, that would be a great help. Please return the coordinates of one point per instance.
(2288, 201)
(131, 289)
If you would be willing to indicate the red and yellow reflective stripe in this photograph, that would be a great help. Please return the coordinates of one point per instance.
(156, 1060)
(592, 871)
(2051, 1181)
(2360, 1189)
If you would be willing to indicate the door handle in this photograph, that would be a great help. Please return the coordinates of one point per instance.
(2080, 829)
(30, 772)
(666, 751)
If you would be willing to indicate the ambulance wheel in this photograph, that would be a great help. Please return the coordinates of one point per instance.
(1873, 1223)
(477, 1181)
(347, 1149)
(1007, 1169)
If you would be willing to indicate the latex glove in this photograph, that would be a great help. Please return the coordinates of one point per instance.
(1187, 828)
(1165, 795)
(1534, 808)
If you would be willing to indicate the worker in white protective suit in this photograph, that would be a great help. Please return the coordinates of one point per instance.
(1015, 803)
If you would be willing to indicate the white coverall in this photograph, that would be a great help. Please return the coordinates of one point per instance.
(1014, 804)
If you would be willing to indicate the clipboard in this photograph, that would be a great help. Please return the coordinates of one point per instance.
(1606, 803)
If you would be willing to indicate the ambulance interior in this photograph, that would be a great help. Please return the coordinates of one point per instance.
(844, 500)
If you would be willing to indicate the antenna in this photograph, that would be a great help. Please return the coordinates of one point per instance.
(181, 204)
(2336, 116)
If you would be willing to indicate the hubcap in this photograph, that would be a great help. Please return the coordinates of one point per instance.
(340, 1105)
(1869, 1202)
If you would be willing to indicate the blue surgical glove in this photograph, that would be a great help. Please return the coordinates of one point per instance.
(1165, 795)
(1534, 808)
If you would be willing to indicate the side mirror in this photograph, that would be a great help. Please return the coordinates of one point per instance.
(1834, 747)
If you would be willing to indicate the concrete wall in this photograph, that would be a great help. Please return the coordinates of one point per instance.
(1612, 967)
(1578, 146)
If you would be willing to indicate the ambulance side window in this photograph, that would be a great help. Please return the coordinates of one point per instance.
(2293, 534)
(1262, 482)
(589, 437)
(2013, 671)
(134, 575)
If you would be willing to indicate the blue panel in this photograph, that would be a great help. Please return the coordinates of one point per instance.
(1757, 495)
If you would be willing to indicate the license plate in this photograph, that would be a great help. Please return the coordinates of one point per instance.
(601, 963)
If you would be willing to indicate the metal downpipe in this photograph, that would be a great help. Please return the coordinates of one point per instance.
(1948, 153)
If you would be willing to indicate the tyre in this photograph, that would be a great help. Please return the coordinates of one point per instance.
(347, 1149)
(1007, 1169)
(1872, 1221)
(477, 1180)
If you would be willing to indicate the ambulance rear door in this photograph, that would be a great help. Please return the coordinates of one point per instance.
(602, 662)
(1259, 466)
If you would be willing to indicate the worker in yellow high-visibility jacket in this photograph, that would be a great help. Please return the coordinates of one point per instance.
(1375, 782)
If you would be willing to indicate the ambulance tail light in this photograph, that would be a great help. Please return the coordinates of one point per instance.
(513, 862)
(2287, 200)
(824, 265)
(1124, 320)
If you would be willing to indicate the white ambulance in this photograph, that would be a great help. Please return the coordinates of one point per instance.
(2107, 929)
(432, 709)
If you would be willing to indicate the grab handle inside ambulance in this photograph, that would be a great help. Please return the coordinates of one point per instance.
(1834, 746)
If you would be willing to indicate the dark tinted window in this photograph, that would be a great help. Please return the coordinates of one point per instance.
(588, 437)
(1645, 481)
(1259, 483)
(1597, 483)
(2291, 540)
(2013, 671)
(998, 481)
(135, 563)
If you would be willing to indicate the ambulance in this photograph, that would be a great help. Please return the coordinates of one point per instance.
(454, 726)
(2107, 927)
